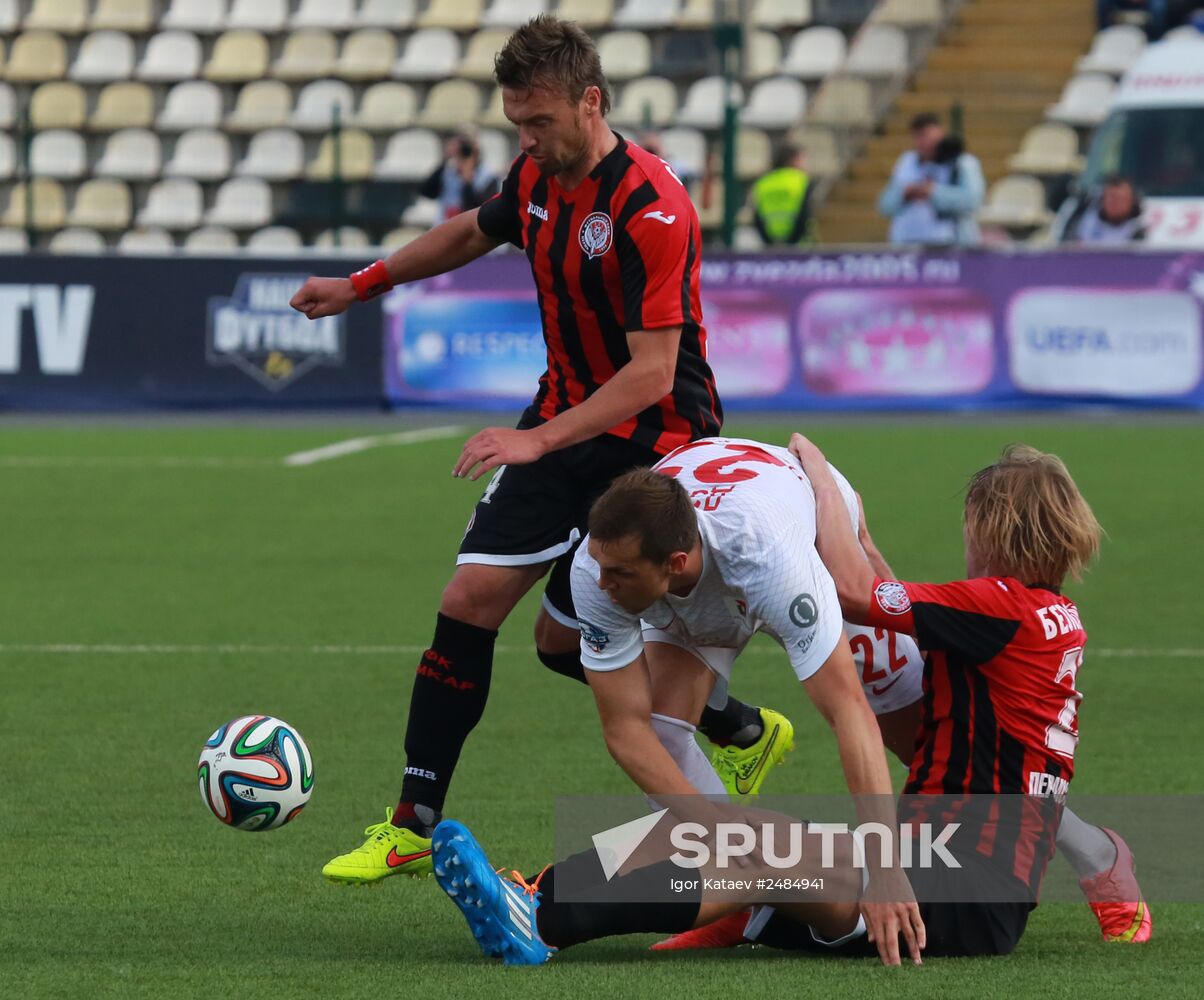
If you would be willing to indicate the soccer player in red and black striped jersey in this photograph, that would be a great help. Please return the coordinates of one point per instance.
(614, 245)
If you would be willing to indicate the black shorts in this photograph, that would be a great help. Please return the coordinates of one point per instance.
(534, 514)
(989, 922)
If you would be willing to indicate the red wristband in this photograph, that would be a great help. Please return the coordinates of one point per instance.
(372, 281)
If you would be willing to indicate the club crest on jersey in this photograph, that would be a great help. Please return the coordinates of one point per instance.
(892, 598)
(594, 637)
(597, 235)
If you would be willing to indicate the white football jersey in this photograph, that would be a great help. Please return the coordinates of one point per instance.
(761, 573)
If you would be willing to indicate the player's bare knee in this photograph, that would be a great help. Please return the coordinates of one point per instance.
(552, 637)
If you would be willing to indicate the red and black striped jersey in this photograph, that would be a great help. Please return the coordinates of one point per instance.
(618, 253)
(1000, 708)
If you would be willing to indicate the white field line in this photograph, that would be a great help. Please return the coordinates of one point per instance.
(353, 445)
(334, 649)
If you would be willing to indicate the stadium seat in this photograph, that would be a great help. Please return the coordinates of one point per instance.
(333, 15)
(76, 240)
(1189, 31)
(49, 205)
(349, 238)
(844, 103)
(397, 238)
(8, 16)
(58, 153)
(211, 240)
(909, 13)
(493, 116)
(315, 111)
(68, 16)
(625, 54)
(451, 104)
(754, 153)
(37, 56)
(131, 154)
(708, 202)
(241, 203)
(704, 103)
(814, 53)
(781, 13)
(14, 241)
(386, 106)
(651, 100)
(275, 154)
(696, 14)
(647, 13)
(1114, 50)
(268, 16)
(104, 56)
(123, 105)
(411, 155)
(821, 150)
(58, 105)
(356, 159)
(879, 50)
(587, 13)
(102, 203)
(779, 102)
(430, 54)
(460, 15)
(496, 151)
(1048, 148)
(512, 13)
(145, 242)
(8, 157)
(261, 104)
(191, 104)
(687, 147)
(308, 54)
(134, 16)
(274, 241)
(367, 55)
(424, 212)
(8, 106)
(392, 14)
(1015, 202)
(204, 16)
(479, 54)
(238, 56)
(200, 153)
(1, 55)
(171, 56)
(1085, 100)
(747, 239)
(764, 55)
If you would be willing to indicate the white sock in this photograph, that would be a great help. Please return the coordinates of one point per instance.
(1088, 849)
(677, 736)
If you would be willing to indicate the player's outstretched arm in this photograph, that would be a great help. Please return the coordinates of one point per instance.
(838, 546)
(444, 248)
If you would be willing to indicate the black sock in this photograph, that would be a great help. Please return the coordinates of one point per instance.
(624, 907)
(568, 664)
(450, 691)
(736, 723)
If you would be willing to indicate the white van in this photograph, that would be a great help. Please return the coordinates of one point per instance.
(1154, 136)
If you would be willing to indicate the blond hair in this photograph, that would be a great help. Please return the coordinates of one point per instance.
(1026, 518)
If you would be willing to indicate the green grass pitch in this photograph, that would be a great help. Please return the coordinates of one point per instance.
(116, 882)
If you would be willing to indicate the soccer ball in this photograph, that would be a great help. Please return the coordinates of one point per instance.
(255, 773)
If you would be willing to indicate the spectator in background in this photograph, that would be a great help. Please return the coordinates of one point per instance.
(935, 189)
(462, 182)
(782, 200)
(1112, 219)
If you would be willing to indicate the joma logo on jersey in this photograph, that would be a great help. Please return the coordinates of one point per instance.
(537, 210)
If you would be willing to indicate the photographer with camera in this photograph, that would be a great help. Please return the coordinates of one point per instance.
(462, 182)
(935, 189)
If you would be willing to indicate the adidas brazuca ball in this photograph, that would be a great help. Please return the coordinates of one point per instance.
(256, 773)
